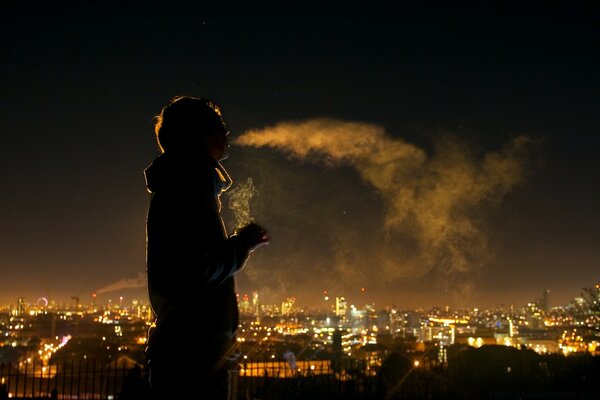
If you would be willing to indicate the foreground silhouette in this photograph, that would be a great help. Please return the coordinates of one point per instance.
(191, 261)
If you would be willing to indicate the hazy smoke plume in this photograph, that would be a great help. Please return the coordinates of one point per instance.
(434, 224)
(128, 283)
(239, 202)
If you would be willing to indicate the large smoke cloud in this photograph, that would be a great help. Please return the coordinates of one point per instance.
(434, 222)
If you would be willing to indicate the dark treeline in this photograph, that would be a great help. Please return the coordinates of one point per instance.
(492, 372)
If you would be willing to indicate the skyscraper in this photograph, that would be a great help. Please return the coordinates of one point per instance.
(255, 303)
(287, 306)
(341, 307)
(21, 306)
(545, 306)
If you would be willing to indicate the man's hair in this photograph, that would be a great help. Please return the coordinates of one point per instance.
(185, 120)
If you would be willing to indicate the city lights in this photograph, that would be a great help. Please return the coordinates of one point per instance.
(288, 340)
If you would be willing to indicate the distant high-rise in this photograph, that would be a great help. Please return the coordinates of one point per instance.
(546, 301)
(21, 306)
(396, 321)
(287, 306)
(383, 320)
(255, 303)
(245, 304)
(94, 306)
(534, 316)
(341, 307)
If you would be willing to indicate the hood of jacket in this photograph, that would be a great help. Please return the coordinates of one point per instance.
(168, 170)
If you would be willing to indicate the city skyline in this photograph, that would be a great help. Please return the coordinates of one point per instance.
(253, 303)
(432, 155)
(79, 349)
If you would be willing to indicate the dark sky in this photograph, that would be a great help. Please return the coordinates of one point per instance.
(81, 82)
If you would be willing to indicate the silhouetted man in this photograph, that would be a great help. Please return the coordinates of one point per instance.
(191, 261)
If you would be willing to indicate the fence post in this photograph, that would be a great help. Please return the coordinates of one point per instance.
(33, 377)
(233, 384)
(64, 378)
(85, 385)
(108, 379)
(72, 377)
(78, 378)
(94, 379)
(17, 381)
(3, 384)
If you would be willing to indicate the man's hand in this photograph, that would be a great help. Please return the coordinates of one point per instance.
(254, 235)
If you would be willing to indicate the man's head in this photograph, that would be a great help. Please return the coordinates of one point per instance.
(190, 124)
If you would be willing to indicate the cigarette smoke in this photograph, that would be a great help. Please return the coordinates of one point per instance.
(239, 202)
(434, 222)
(127, 283)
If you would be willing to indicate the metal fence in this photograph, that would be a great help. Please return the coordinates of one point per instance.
(69, 380)
(87, 379)
(316, 379)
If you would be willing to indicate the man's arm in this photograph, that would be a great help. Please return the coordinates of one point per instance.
(221, 262)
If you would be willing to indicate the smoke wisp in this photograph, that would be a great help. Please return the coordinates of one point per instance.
(239, 202)
(434, 222)
(126, 283)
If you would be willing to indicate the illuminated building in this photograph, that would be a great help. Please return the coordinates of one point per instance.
(138, 308)
(534, 316)
(371, 314)
(94, 307)
(280, 369)
(21, 306)
(572, 341)
(545, 301)
(287, 306)
(357, 318)
(341, 307)
(255, 303)
(395, 322)
(245, 304)
(383, 321)
(411, 324)
(542, 346)
(150, 314)
(511, 328)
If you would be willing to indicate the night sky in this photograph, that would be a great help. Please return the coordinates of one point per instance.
(496, 107)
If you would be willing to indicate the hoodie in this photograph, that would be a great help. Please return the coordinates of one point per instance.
(190, 259)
